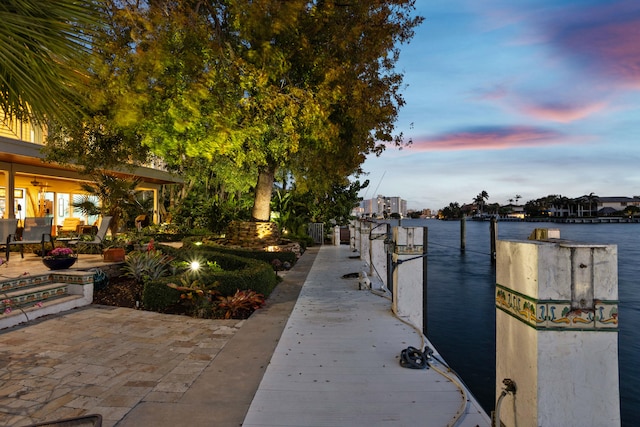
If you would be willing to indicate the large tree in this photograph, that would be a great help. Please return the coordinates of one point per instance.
(43, 51)
(306, 88)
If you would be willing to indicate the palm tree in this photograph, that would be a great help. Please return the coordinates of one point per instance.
(44, 46)
(592, 198)
(480, 200)
(518, 197)
(115, 195)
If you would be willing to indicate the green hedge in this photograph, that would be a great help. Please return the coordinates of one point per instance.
(239, 273)
(157, 296)
(268, 257)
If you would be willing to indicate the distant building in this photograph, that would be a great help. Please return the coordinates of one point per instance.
(514, 211)
(608, 205)
(383, 206)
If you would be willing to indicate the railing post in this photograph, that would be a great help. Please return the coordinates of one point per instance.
(463, 234)
(353, 226)
(378, 265)
(494, 238)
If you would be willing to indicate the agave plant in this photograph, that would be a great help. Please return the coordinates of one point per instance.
(147, 265)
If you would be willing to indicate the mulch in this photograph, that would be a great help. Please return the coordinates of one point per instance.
(120, 292)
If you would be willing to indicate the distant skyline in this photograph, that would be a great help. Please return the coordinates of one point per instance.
(528, 97)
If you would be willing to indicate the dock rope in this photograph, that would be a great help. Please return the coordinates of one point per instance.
(449, 374)
(413, 358)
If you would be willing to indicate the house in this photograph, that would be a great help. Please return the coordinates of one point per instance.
(608, 205)
(515, 211)
(31, 187)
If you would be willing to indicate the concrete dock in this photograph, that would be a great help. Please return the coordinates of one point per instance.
(320, 353)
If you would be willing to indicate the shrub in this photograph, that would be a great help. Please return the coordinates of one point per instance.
(240, 305)
(268, 257)
(157, 296)
(304, 239)
(196, 299)
(237, 274)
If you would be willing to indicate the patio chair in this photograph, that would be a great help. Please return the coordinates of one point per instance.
(98, 238)
(36, 231)
(69, 226)
(7, 228)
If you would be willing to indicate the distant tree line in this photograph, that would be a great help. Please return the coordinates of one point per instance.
(551, 205)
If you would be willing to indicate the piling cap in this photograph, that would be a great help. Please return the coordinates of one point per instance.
(545, 234)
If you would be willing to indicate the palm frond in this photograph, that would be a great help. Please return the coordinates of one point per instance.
(44, 49)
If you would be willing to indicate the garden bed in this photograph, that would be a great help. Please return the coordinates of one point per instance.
(121, 291)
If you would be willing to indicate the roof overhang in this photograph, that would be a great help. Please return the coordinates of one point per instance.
(29, 154)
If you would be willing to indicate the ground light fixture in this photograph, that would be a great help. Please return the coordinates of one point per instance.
(194, 266)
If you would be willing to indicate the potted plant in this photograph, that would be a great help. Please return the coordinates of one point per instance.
(114, 250)
(60, 258)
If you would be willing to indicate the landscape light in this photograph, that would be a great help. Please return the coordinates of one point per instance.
(195, 265)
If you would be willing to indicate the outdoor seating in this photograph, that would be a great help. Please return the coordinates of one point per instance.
(98, 238)
(7, 228)
(69, 226)
(36, 231)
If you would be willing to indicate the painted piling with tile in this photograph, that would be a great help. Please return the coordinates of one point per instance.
(409, 274)
(557, 333)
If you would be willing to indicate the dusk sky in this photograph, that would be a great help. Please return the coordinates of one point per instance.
(528, 97)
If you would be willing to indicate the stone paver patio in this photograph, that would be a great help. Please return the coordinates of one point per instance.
(102, 360)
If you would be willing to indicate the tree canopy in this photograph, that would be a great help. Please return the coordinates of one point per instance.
(304, 87)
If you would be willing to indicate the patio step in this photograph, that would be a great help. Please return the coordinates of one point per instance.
(41, 308)
(24, 282)
(27, 298)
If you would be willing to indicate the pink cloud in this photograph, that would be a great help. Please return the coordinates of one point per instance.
(561, 112)
(604, 39)
(489, 138)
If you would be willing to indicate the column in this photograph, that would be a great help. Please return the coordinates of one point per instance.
(409, 274)
(557, 333)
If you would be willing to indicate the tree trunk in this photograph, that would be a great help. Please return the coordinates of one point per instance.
(262, 199)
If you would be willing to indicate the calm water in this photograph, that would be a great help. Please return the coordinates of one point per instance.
(464, 284)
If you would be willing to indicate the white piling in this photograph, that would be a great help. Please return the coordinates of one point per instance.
(556, 334)
(365, 244)
(409, 274)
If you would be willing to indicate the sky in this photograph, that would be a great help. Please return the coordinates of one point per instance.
(516, 97)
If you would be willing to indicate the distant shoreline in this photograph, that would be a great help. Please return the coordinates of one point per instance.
(596, 220)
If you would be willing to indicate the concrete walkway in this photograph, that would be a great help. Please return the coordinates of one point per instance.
(330, 361)
(337, 362)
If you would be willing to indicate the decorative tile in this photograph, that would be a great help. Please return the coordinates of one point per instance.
(556, 315)
(606, 314)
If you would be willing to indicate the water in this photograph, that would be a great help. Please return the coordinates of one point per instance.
(461, 306)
